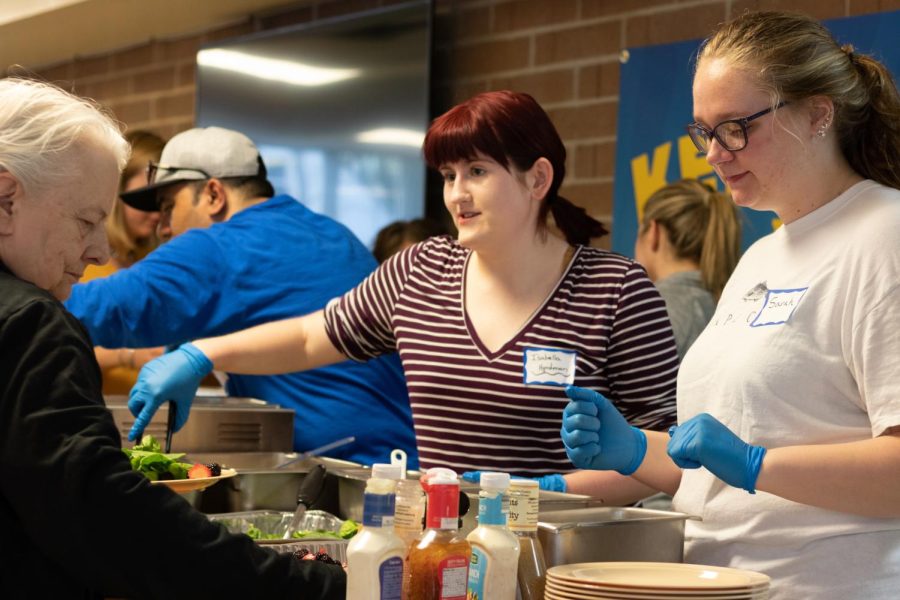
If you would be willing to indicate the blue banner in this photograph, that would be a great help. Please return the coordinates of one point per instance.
(653, 148)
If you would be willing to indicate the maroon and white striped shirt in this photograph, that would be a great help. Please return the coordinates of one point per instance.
(471, 407)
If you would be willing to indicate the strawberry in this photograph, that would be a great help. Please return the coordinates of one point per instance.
(199, 471)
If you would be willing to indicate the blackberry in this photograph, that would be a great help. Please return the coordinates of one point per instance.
(214, 468)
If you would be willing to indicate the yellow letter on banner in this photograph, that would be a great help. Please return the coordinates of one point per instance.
(647, 178)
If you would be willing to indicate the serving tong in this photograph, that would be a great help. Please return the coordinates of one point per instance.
(170, 427)
(310, 489)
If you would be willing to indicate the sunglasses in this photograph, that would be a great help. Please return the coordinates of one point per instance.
(153, 169)
(731, 134)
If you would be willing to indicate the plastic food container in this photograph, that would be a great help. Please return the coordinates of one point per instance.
(274, 522)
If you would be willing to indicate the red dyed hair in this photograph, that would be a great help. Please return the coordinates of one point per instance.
(511, 128)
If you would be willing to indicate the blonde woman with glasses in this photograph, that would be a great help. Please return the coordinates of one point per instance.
(788, 443)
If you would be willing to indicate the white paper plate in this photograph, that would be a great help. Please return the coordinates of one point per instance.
(183, 486)
(655, 576)
(555, 591)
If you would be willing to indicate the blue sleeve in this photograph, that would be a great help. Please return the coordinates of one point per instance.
(167, 298)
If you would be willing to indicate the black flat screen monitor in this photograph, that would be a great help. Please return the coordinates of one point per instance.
(338, 109)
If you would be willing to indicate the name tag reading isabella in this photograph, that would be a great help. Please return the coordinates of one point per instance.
(549, 366)
(778, 307)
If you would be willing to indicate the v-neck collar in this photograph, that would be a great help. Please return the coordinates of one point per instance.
(470, 328)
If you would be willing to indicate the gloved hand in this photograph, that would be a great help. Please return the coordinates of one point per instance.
(703, 441)
(597, 436)
(173, 376)
(551, 483)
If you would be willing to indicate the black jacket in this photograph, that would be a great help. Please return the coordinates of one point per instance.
(75, 520)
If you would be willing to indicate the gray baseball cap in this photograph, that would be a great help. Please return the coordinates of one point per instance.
(196, 155)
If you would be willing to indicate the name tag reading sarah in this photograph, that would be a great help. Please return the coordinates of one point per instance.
(549, 366)
(778, 307)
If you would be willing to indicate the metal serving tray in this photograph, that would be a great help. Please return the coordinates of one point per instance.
(603, 534)
(217, 424)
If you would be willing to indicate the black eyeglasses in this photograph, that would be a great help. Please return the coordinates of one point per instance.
(731, 134)
(153, 168)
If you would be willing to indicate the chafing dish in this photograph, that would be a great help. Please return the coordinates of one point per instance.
(600, 534)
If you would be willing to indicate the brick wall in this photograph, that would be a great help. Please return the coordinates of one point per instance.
(564, 52)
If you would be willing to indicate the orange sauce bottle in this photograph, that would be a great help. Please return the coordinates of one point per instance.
(439, 560)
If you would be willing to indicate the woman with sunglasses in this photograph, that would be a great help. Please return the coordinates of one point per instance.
(788, 443)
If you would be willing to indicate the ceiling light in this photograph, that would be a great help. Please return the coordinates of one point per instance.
(287, 71)
(392, 136)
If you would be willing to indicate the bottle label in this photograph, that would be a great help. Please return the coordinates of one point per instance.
(376, 507)
(478, 567)
(523, 511)
(443, 507)
(493, 508)
(453, 575)
(390, 576)
(408, 517)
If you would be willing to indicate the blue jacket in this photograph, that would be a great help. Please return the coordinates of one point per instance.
(270, 261)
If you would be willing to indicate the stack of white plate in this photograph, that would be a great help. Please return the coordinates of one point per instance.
(653, 581)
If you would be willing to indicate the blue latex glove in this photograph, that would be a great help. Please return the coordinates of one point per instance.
(551, 483)
(173, 376)
(703, 441)
(597, 436)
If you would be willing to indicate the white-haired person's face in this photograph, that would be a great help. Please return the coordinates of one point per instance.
(48, 237)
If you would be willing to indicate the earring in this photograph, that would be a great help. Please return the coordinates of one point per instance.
(823, 128)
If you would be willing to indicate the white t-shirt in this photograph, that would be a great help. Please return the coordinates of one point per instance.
(804, 348)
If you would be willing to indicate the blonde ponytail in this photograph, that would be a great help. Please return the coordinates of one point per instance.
(702, 225)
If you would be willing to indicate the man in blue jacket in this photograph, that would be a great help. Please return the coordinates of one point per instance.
(240, 256)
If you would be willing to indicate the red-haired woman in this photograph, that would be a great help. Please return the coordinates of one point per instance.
(491, 326)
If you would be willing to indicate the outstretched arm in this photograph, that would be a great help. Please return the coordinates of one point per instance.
(286, 346)
(279, 347)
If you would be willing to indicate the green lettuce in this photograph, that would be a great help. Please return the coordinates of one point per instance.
(147, 457)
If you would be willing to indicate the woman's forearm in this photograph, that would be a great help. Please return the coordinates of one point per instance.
(861, 478)
(284, 346)
(608, 487)
(656, 474)
(658, 471)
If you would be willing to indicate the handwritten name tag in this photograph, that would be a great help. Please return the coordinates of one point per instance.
(778, 307)
(549, 366)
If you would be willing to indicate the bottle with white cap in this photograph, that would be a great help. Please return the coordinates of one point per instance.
(375, 555)
(495, 550)
(439, 560)
(523, 523)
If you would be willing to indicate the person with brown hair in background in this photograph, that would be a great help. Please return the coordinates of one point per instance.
(400, 235)
(689, 240)
(132, 236)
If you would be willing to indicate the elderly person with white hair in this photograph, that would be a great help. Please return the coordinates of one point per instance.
(77, 522)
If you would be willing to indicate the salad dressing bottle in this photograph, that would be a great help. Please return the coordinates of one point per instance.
(439, 560)
(409, 510)
(409, 519)
(495, 551)
(523, 518)
(375, 555)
